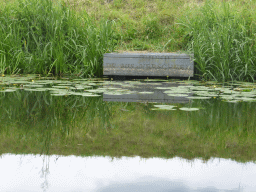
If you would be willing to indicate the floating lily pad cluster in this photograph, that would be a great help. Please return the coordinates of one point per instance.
(230, 92)
(227, 94)
(55, 87)
(173, 108)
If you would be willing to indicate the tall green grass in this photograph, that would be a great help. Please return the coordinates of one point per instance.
(40, 36)
(222, 38)
(60, 37)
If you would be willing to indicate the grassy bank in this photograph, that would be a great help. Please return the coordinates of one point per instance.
(72, 36)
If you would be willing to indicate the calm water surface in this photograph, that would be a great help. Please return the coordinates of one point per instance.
(104, 174)
(43, 119)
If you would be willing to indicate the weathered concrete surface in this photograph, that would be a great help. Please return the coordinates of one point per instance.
(148, 64)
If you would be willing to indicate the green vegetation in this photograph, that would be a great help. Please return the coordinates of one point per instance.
(221, 34)
(222, 38)
(71, 36)
(42, 37)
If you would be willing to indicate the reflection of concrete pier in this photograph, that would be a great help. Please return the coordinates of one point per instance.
(148, 64)
(158, 94)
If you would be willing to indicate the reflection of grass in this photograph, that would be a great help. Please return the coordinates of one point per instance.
(212, 132)
(37, 117)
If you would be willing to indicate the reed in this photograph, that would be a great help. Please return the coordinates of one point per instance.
(222, 38)
(47, 37)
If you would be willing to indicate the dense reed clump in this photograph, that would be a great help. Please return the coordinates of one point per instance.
(46, 37)
(222, 38)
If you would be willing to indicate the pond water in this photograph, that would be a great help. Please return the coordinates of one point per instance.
(103, 174)
(160, 129)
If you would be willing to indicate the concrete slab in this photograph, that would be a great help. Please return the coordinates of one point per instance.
(148, 64)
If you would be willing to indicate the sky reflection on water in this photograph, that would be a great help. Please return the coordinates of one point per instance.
(103, 174)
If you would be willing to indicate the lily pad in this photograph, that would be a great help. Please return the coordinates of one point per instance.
(90, 95)
(163, 87)
(177, 95)
(232, 101)
(145, 92)
(33, 85)
(59, 94)
(8, 90)
(246, 99)
(60, 87)
(163, 107)
(197, 97)
(171, 109)
(27, 89)
(207, 94)
(227, 97)
(188, 109)
(177, 91)
(112, 93)
(65, 84)
(96, 90)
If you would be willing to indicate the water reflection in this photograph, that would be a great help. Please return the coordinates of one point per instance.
(145, 92)
(103, 174)
(66, 118)
(75, 125)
